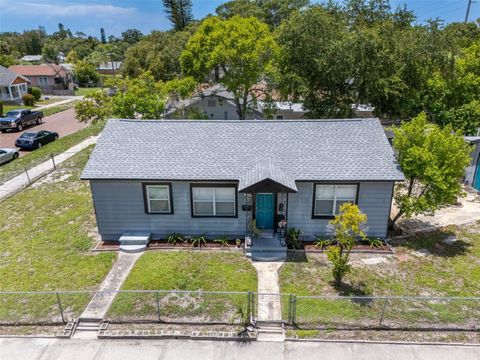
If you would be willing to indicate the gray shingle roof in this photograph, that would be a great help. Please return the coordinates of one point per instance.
(7, 76)
(266, 171)
(353, 149)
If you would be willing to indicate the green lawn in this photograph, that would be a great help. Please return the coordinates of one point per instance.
(192, 271)
(86, 91)
(450, 270)
(14, 168)
(45, 245)
(7, 108)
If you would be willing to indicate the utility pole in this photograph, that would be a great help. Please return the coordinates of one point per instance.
(468, 10)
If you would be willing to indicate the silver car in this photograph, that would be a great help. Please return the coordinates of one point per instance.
(7, 154)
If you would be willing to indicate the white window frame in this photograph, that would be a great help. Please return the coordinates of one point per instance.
(213, 200)
(148, 198)
(335, 198)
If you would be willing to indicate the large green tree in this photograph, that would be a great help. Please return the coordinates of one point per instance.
(179, 12)
(272, 12)
(242, 48)
(315, 62)
(158, 53)
(455, 98)
(433, 160)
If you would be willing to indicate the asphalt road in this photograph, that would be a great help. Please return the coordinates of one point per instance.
(82, 349)
(64, 123)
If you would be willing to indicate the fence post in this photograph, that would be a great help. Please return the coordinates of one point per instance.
(252, 306)
(158, 306)
(290, 305)
(383, 312)
(60, 307)
(28, 177)
(294, 309)
(53, 161)
(249, 306)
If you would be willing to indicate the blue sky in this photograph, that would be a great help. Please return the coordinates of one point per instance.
(115, 16)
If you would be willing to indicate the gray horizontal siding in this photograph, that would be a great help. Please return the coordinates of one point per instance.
(119, 207)
(470, 170)
(373, 199)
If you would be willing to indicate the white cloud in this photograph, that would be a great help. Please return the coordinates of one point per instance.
(44, 10)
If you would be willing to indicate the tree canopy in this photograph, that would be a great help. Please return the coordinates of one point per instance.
(242, 48)
(179, 13)
(433, 160)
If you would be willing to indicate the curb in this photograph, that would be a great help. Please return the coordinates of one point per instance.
(381, 342)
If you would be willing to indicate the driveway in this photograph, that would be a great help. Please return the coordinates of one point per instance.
(64, 123)
(50, 349)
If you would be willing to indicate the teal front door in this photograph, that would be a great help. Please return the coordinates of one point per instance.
(264, 211)
(476, 178)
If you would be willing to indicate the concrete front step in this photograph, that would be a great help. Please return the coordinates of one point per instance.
(267, 256)
(88, 325)
(134, 238)
(133, 248)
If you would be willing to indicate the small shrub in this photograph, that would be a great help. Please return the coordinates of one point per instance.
(1, 109)
(322, 242)
(374, 242)
(293, 238)
(223, 241)
(36, 92)
(28, 100)
(174, 238)
(198, 241)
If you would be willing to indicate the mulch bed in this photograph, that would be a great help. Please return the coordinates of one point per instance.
(164, 245)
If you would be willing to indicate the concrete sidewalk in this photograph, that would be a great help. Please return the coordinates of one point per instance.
(50, 349)
(57, 103)
(19, 182)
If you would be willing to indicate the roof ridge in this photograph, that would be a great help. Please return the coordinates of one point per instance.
(240, 121)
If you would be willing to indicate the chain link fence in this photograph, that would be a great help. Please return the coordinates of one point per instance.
(42, 308)
(243, 308)
(369, 312)
(175, 306)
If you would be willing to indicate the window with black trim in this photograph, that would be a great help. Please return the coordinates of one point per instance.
(158, 198)
(329, 197)
(214, 200)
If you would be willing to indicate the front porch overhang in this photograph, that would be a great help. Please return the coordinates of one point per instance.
(266, 177)
(268, 185)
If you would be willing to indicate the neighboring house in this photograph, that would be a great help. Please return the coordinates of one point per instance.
(472, 172)
(52, 79)
(216, 103)
(157, 177)
(31, 58)
(12, 85)
(109, 68)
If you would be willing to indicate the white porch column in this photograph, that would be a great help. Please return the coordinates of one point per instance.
(10, 92)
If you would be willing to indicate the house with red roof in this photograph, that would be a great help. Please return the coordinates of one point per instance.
(52, 79)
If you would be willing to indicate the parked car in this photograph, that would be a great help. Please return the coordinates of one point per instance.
(7, 154)
(35, 140)
(19, 118)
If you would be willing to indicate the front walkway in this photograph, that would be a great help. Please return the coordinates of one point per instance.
(94, 349)
(19, 182)
(269, 304)
(100, 303)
